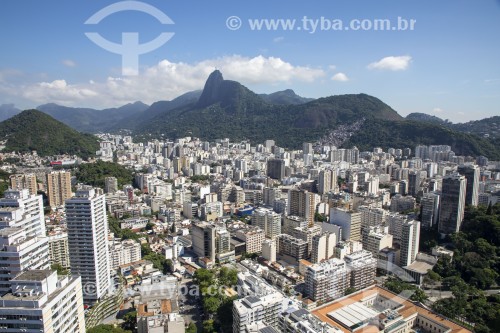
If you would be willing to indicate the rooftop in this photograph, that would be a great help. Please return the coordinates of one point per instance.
(353, 315)
(406, 310)
(420, 267)
(10, 231)
(33, 275)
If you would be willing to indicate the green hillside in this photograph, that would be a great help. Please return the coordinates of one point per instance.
(34, 130)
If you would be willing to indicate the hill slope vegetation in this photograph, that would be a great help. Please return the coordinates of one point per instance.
(34, 130)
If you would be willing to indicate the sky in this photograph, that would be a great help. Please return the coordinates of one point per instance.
(447, 65)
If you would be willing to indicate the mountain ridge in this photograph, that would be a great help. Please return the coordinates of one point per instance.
(91, 120)
(229, 109)
(7, 111)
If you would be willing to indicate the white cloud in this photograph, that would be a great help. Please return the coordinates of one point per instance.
(437, 110)
(341, 77)
(461, 113)
(58, 91)
(278, 39)
(167, 80)
(392, 63)
(332, 67)
(69, 63)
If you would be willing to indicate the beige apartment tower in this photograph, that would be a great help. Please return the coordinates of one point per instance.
(24, 181)
(58, 187)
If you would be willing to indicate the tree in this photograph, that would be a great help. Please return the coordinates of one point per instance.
(159, 261)
(228, 277)
(130, 321)
(490, 208)
(4, 181)
(225, 314)
(106, 329)
(484, 248)
(60, 269)
(211, 304)
(398, 286)
(433, 276)
(170, 266)
(209, 326)
(454, 281)
(203, 277)
(350, 290)
(94, 173)
(191, 328)
(482, 278)
(251, 256)
(320, 217)
(145, 250)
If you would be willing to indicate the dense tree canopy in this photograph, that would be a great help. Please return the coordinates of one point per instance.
(94, 173)
(476, 249)
(475, 266)
(217, 305)
(107, 329)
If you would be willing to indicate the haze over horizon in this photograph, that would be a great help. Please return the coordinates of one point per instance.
(435, 69)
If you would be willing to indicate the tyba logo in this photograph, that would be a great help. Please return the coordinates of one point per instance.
(129, 49)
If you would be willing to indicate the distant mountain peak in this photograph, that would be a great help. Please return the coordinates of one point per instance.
(212, 89)
(285, 97)
(7, 111)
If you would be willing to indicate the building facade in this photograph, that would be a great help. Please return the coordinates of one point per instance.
(87, 224)
(58, 187)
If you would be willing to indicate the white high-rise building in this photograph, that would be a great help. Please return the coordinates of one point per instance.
(307, 234)
(326, 281)
(327, 181)
(30, 218)
(291, 222)
(20, 253)
(260, 303)
(323, 247)
(372, 216)
(376, 238)
(349, 221)
(410, 238)
(59, 249)
(269, 250)
(362, 267)
(268, 221)
(123, 252)
(372, 185)
(42, 301)
(88, 241)
(395, 224)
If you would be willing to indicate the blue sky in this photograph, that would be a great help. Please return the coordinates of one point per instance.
(447, 66)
